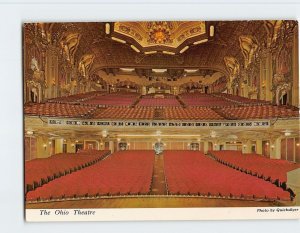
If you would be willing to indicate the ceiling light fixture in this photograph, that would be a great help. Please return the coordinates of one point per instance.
(135, 48)
(190, 71)
(159, 70)
(200, 41)
(107, 28)
(150, 52)
(118, 40)
(211, 30)
(127, 69)
(184, 49)
(167, 52)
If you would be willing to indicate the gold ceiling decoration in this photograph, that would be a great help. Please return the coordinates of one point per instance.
(167, 36)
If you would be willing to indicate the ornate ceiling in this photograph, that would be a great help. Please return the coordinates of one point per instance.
(93, 45)
(169, 37)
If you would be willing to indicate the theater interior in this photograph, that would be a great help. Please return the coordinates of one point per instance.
(161, 114)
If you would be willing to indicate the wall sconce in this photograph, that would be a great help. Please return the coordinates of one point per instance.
(29, 132)
(244, 146)
(118, 139)
(72, 144)
(45, 146)
(298, 144)
(272, 146)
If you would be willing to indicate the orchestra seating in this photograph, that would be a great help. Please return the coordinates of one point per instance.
(205, 100)
(114, 99)
(274, 170)
(40, 171)
(58, 109)
(122, 173)
(150, 100)
(259, 112)
(191, 172)
(124, 113)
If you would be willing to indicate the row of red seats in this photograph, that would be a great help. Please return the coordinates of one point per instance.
(240, 99)
(175, 112)
(191, 172)
(169, 102)
(269, 169)
(75, 98)
(205, 100)
(125, 172)
(124, 113)
(195, 113)
(40, 171)
(259, 112)
(114, 99)
(58, 109)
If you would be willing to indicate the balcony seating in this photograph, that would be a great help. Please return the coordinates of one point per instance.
(191, 172)
(191, 113)
(259, 112)
(40, 171)
(58, 110)
(125, 172)
(124, 113)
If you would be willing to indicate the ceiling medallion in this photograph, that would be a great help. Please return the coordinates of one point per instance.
(160, 32)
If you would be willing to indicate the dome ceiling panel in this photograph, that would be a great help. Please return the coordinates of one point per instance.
(167, 36)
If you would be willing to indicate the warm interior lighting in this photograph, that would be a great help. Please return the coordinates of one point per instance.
(107, 28)
(150, 52)
(184, 49)
(211, 30)
(167, 52)
(287, 133)
(190, 71)
(104, 133)
(159, 70)
(29, 132)
(135, 48)
(127, 69)
(118, 40)
(200, 41)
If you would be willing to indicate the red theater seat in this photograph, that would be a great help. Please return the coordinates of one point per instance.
(125, 172)
(191, 172)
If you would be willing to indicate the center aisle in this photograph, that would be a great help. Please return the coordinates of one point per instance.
(158, 183)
